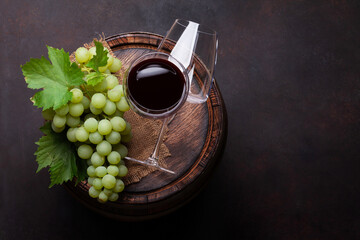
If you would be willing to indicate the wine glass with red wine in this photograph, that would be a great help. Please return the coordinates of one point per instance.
(160, 82)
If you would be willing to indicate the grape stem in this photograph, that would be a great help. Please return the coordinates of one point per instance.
(86, 91)
(86, 69)
(105, 117)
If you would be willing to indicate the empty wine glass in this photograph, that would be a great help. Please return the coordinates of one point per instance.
(181, 69)
(195, 46)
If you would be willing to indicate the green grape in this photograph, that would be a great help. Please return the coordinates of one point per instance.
(76, 109)
(72, 121)
(77, 95)
(97, 184)
(62, 111)
(115, 66)
(98, 100)
(119, 186)
(121, 149)
(81, 134)
(103, 148)
(90, 180)
(107, 71)
(103, 197)
(113, 170)
(91, 171)
(113, 137)
(117, 113)
(111, 81)
(90, 115)
(48, 114)
(100, 171)
(109, 181)
(91, 125)
(114, 95)
(56, 129)
(104, 127)
(110, 60)
(109, 108)
(114, 157)
(94, 110)
(120, 89)
(123, 170)
(70, 134)
(59, 121)
(127, 129)
(118, 124)
(113, 197)
(97, 160)
(85, 102)
(85, 151)
(82, 55)
(95, 137)
(88, 162)
(102, 69)
(122, 105)
(92, 51)
(122, 162)
(100, 87)
(107, 191)
(94, 193)
(126, 138)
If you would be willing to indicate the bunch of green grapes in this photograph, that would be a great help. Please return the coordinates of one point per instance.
(93, 120)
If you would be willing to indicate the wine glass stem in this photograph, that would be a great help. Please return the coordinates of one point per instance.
(155, 154)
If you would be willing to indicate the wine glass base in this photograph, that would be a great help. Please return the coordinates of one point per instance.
(150, 162)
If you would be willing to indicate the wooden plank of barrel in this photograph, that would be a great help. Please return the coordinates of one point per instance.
(196, 140)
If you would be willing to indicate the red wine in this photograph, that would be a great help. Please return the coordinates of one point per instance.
(156, 84)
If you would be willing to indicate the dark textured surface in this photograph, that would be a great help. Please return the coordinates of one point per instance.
(289, 73)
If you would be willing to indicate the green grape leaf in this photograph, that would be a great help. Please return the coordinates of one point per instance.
(57, 153)
(100, 59)
(94, 78)
(54, 78)
(81, 170)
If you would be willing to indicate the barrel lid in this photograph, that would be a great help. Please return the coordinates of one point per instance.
(196, 140)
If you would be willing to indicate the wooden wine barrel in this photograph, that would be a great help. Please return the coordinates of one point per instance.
(196, 140)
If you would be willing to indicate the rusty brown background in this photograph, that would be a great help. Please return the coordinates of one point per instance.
(289, 72)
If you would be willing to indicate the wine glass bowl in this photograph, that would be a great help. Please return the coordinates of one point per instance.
(157, 85)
